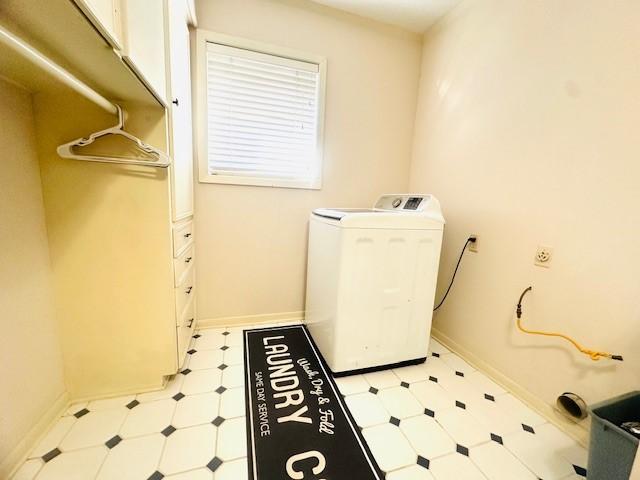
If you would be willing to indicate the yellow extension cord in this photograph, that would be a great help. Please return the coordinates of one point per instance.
(592, 354)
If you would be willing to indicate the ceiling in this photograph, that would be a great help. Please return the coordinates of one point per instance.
(414, 15)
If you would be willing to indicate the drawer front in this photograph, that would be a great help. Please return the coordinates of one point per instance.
(184, 293)
(187, 319)
(184, 336)
(184, 331)
(182, 264)
(182, 237)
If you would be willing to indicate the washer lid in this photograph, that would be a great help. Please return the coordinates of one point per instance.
(401, 211)
(337, 214)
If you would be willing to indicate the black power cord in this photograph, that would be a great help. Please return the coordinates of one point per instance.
(471, 239)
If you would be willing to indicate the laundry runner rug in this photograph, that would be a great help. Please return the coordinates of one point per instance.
(298, 426)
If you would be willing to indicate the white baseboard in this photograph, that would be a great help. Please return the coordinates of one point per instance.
(15, 458)
(578, 431)
(121, 393)
(251, 319)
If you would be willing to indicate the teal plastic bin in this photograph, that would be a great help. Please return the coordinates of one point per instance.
(612, 449)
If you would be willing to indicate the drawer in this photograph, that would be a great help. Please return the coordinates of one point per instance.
(184, 292)
(184, 331)
(181, 264)
(187, 319)
(182, 237)
(184, 336)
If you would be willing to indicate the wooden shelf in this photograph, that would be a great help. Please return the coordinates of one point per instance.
(59, 30)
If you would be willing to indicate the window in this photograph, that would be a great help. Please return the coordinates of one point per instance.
(262, 114)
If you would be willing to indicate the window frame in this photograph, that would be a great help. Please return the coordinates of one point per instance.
(205, 36)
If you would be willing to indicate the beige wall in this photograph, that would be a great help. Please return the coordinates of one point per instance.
(527, 132)
(251, 241)
(30, 362)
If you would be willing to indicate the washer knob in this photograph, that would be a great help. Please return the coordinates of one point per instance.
(396, 202)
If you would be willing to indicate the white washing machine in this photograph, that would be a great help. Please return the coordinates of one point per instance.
(371, 281)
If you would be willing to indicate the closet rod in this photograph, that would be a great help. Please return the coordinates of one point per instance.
(57, 71)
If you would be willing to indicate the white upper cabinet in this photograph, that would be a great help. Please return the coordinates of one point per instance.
(152, 36)
(144, 43)
(105, 15)
(179, 77)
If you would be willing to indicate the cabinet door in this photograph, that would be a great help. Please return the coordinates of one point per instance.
(181, 127)
(144, 51)
(105, 16)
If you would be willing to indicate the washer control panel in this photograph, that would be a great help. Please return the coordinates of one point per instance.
(403, 202)
(412, 203)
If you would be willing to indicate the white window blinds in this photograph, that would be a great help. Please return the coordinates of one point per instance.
(262, 115)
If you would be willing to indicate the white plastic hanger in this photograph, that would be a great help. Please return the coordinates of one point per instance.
(158, 157)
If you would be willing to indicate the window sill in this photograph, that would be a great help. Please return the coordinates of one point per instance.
(261, 181)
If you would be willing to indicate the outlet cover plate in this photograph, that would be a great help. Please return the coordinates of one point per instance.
(543, 256)
(473, 246)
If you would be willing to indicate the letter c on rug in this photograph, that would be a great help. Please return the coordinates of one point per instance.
(296, 474)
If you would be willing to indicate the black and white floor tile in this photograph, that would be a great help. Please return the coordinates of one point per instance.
(442, 420)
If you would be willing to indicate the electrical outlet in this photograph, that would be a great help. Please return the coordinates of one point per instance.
(473, 246)
(543, 256)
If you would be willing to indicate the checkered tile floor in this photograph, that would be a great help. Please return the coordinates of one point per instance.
(442, 420)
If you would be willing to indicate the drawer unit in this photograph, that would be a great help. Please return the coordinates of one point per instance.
(181, 264)
(182, 237)
(184, 292)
